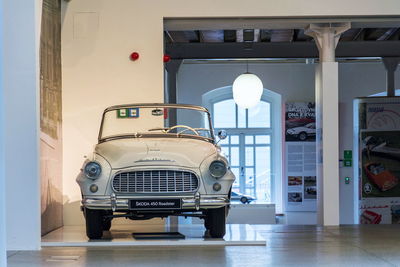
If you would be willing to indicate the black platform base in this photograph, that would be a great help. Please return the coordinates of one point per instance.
(159, 235)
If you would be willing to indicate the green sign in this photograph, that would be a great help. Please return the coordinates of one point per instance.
(348, 154)
(348, 163)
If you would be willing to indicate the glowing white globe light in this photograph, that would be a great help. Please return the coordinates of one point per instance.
(247, 90)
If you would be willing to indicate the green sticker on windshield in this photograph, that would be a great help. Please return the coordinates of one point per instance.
(122, 113)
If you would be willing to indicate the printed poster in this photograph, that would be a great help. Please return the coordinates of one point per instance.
(300, 122)
(379, 161)
(301, 180)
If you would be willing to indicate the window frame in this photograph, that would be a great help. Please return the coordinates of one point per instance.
(275, 131)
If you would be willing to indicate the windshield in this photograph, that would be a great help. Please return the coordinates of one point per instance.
(155, 121)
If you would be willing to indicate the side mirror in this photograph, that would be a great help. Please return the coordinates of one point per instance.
(222, 134)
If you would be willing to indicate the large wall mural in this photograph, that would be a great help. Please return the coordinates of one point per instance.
(50, 116)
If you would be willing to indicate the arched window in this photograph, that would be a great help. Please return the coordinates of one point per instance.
(253, 146)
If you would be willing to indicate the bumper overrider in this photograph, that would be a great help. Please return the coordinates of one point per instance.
(121, 203)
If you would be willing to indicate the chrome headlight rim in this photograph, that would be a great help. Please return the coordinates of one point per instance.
(87, 171)
(218, 176)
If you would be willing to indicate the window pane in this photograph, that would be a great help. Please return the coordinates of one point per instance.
(225, 151)
(224, 141)
(263, 139)
(249, 156)
(241, 117)
(259, 116)
(236, 173)
(263, 173)
(234, 156)
(225, 114)
(250, 181)
(249, 139)
(234, 139)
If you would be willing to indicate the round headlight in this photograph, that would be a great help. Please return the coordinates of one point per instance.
(92, 170)
(217, 168)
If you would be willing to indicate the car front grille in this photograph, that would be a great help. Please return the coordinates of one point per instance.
(155, 181)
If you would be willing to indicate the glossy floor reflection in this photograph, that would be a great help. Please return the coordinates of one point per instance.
(367, 245)
(121, 235)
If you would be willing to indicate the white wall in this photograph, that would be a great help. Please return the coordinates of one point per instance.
(21, 124)
(295, 82)
(3, 256)
(97, 39)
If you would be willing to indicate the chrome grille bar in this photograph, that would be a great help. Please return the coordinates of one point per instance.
(155, 181)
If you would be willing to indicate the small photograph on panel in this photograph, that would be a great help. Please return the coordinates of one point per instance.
(310, 187)
(295, 197)
(295, 180)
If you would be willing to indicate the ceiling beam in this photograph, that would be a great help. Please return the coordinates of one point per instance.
(280, 50)
(387, 35)
(282, 35)
(212, 36)
(229, 36)
(265, 35)
(349, 35)
(183, 36)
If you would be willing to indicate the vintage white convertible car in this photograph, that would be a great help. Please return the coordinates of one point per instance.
(303, 132)
(156, 160)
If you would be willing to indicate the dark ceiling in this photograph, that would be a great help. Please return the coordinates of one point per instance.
(286, 35)
(277, 43)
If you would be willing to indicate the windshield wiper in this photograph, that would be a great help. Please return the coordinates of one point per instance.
(163, 129)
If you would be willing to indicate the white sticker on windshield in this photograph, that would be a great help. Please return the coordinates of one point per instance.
(133, 113)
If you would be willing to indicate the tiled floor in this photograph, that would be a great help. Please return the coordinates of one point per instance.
(367, 245)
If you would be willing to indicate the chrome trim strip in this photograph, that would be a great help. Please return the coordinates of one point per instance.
(157, 105)
(187, 203)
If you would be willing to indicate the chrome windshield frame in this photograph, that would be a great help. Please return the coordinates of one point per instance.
(155, 105)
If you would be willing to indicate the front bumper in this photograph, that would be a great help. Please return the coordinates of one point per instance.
(121, 203)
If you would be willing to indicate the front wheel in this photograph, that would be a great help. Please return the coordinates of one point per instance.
(217, 219)
(94, 223)
(244, 200)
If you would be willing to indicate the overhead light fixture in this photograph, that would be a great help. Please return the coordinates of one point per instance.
(247, 89)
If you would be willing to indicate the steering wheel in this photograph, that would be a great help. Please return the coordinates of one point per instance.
(182, 126)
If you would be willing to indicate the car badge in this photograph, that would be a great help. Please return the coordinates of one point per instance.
(154, 159)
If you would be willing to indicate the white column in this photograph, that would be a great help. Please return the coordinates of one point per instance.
(21, 23)
(326, 37)
(3, 256)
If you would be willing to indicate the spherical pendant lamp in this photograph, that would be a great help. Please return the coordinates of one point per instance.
(247, 90)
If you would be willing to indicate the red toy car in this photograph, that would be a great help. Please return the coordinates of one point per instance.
(381, 177)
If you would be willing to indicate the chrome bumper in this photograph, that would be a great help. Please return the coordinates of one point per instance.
(116, 203)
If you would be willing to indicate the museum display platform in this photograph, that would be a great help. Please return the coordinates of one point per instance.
(121, 235)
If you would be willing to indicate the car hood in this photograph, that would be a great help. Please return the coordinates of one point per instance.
(129, 152)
